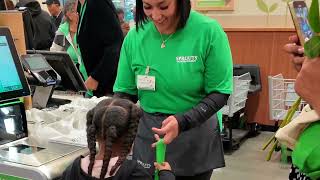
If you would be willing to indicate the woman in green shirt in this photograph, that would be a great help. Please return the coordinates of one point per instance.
(178, 64)
(306, 153)
(65, 39)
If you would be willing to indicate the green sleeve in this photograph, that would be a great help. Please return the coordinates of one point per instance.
(218, 64)
(125, 81)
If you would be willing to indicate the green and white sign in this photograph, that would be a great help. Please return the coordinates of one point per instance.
(211, 3)
(8, 177)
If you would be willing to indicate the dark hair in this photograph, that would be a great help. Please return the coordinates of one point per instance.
(119, 11)
(183, 10)
(110, 120)
(50, 2)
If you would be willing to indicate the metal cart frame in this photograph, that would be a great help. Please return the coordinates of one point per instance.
(236, 102)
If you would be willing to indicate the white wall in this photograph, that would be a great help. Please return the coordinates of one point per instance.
(247, 14)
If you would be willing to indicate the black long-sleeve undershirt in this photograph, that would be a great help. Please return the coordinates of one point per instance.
(207, 107)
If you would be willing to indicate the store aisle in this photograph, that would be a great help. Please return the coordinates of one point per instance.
(248, 163)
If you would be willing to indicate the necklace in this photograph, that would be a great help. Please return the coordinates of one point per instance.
(163, 44)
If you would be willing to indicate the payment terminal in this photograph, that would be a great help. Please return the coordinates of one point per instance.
(40, 69)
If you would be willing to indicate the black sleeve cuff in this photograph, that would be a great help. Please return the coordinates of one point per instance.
(206, 108)
(166, 175)
(181, 122)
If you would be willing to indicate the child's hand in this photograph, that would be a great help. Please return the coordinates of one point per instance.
(163, 166)
(157, 137)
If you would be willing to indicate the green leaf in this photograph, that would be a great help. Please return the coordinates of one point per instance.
(262, 6)
(313, 16)
(312, 47)
(273, 7)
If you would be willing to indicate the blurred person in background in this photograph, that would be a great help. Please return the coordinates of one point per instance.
(99, 38)
(54, 9)
(65, 39)
(43, 26)
(9, 4)
(124, 25)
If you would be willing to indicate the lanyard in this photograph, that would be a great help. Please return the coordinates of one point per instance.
(82, 11)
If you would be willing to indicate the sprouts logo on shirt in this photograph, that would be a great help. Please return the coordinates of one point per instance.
(145, 165)
(186, 59)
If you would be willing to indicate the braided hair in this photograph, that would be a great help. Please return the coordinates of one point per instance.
(112, 120)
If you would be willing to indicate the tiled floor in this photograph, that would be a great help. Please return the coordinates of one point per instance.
(248, 163)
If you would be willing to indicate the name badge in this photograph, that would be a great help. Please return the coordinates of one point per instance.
(145, 82)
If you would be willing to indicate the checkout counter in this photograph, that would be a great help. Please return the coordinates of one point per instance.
(25, 153)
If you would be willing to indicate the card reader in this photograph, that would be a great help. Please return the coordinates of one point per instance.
(40, 69)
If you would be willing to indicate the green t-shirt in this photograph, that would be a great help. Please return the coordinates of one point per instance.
(306, 154)
(195, 62)
(64, 28)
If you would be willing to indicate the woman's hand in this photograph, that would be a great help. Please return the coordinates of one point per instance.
(307, 83)
(162, 166)
(91, 83)
(125, 28)
(295, 52)
(169, 128)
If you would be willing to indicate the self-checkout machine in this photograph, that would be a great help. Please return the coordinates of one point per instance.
(22, 157)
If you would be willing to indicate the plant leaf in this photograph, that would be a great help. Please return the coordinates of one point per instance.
(273, 7)
(262, 6)
(312, 47)
(313, 16)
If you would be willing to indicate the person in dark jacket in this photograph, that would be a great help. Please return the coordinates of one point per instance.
(54, 9)
(44, 28)
(113, 124)
(100, 38)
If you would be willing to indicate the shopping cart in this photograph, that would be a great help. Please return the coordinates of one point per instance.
(281, 97)
(236, 102)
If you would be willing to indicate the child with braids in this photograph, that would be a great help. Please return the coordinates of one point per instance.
(113, 124)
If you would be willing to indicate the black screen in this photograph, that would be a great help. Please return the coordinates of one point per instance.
(37, 63)
(2, 5)
(12, 123)
(61, 62)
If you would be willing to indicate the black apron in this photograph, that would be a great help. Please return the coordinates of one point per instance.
(192, 152)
